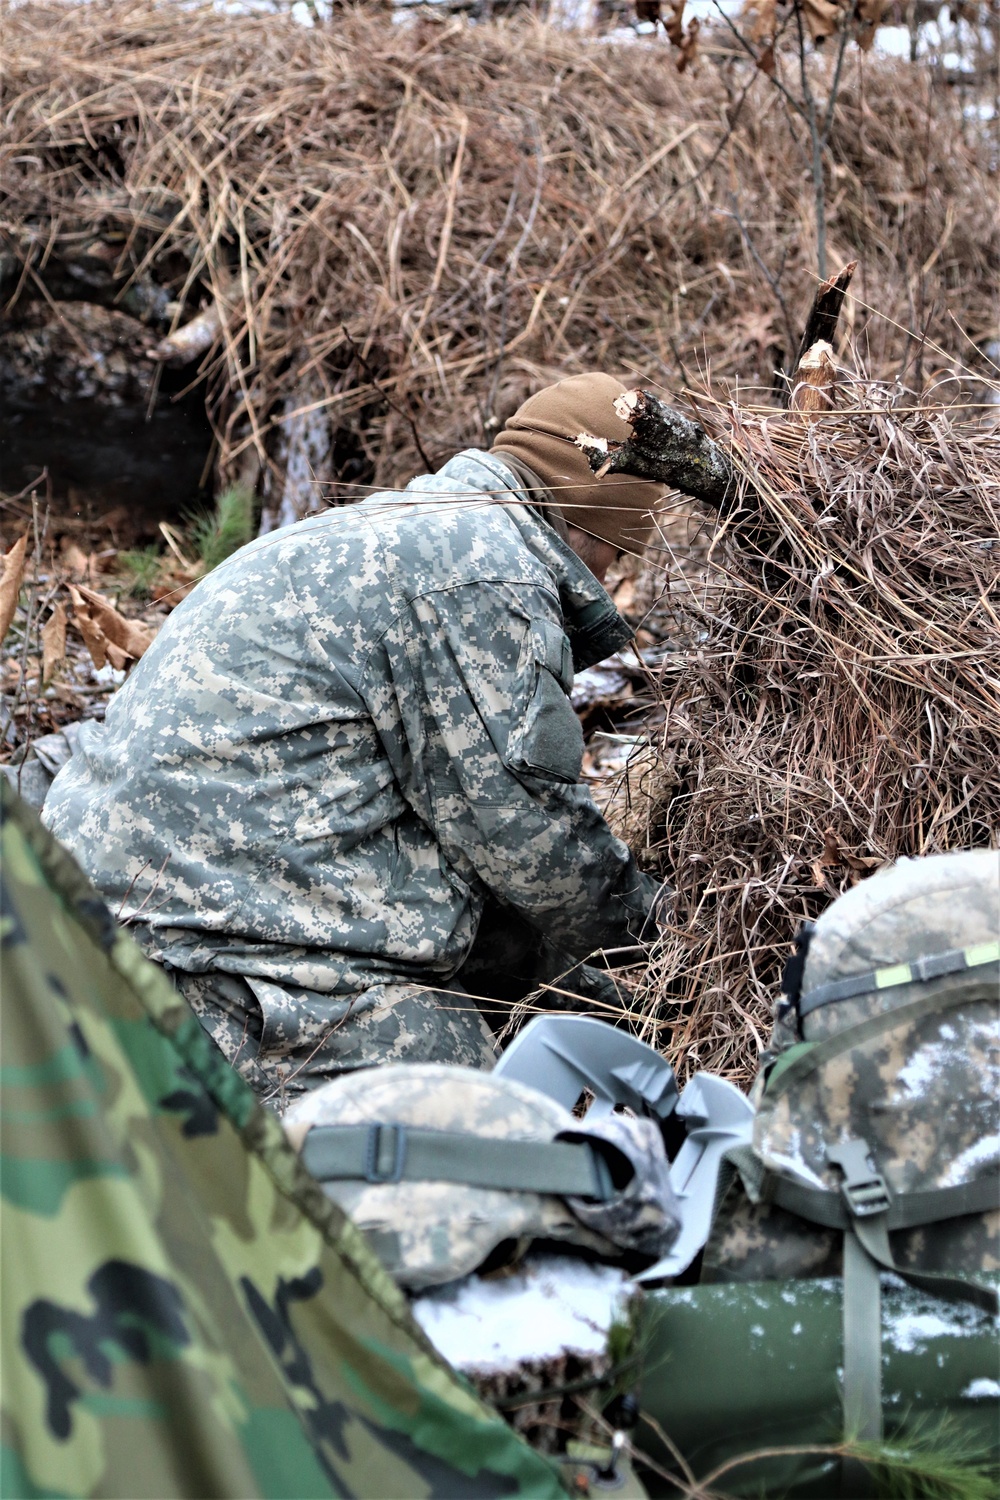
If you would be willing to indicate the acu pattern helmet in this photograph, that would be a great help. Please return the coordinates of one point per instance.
(891, 1038)
(376, 1138)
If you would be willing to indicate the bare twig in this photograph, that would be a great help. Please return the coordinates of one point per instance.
(373, 380)
(31, 615)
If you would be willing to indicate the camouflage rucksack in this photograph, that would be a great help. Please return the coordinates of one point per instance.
(875, 1144)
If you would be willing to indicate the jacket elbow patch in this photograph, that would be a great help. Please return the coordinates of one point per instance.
(546, 739)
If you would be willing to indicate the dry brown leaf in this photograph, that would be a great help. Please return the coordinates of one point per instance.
(870, 13)
(822, 18)
(94, 638)
(128, 635)
(765, 60)
(74, 559)
(172, 588)
(689, 46)
(624, 596)
(54, 642)
(835, 856)
(65, 694)
(108, 636)
(674, 24)
(760, 20)
(10, 582)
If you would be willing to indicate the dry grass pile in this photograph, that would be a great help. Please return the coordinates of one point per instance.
(473, 208)
(835, 703)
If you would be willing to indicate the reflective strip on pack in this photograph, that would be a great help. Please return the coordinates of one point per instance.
(919, 970)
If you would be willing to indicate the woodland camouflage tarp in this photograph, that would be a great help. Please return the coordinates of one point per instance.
(184, 1312)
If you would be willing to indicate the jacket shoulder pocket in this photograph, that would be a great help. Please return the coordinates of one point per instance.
(546, 739)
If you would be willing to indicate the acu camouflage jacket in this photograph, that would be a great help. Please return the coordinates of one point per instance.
(347, 735)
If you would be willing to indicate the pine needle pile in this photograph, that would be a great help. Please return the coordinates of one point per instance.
(835, 701)
(406, 228)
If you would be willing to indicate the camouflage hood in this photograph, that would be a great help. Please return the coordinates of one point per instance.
(427, 1231)
(343, 739)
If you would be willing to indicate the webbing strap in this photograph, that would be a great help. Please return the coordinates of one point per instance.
(862, 1357)
(873, 1234)
(917, 971)
(810, 1057)
(862, 1344)
(381, 1153)
(906, 1210)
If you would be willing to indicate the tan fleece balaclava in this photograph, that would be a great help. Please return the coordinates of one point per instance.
(540, 435)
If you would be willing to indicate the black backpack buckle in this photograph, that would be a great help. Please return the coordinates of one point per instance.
(864, 1188)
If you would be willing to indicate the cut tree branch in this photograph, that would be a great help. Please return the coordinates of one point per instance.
(667, 447)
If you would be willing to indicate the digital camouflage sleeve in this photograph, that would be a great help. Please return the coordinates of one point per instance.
(342, 743)
(184, 1312)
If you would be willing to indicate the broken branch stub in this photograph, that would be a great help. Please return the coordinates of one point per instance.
(815, 378)
(191, 339)
(821, 324)
(667, 447)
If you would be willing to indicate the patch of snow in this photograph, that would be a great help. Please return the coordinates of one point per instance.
(909, 1331)
(551, 1305)
(707, 10)
(893, 41)
(954, 62)
(987, 1149)
(922, 1069)
(982, 1390)
(931, 1063)
(793, 1163)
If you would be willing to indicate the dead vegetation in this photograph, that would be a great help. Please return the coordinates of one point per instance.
(834, 703)
(369, 239)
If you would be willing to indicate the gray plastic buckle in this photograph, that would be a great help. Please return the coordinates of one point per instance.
(373, 1153)
(864, 1188)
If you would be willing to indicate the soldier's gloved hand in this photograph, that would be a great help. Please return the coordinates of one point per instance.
(651, 909)
(584, 982)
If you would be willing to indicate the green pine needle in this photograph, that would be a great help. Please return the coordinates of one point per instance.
(929, 1462)
(224, 531)
(139, 569)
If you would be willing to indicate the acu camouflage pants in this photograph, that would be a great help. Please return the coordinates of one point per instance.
(285, 1040)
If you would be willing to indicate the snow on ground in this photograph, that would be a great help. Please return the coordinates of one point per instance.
(550, 1306)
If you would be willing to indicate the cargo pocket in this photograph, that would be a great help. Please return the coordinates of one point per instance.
(547, 739)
